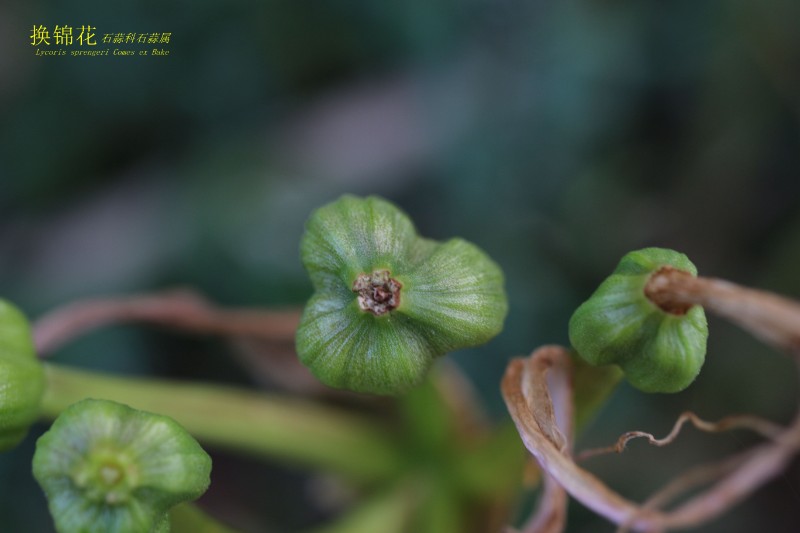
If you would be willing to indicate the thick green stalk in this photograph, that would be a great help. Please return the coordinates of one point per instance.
(592, 386)
(272, 426)
(388, 513)
(189, 518)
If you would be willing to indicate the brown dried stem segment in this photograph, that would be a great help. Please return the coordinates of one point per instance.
(693, 478)
(176, 309)
(531, 406)
(772, 318)
(551, 514)
(553, 422)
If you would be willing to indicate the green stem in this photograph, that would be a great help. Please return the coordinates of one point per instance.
(592, 386)
(189, 518)
(491, 470)
(271, 426)
(387, 512)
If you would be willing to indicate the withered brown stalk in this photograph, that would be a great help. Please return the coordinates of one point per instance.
(767, 316)
(180, 309)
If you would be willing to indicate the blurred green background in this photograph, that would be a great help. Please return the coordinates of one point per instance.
(555, 135)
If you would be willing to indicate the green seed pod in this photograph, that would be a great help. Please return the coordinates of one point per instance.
(21, 377)
(387, 301)
(659, 351)
(108, 468)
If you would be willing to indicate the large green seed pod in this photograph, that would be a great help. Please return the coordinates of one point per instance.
(108, 468)
(21, 377)
(659, 351)
(388, 301)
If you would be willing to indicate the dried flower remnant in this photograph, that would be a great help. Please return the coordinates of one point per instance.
(532, 404)
(378, 293)
(528, 397)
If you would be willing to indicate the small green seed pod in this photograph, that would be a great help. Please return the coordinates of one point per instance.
(659, 350)
(108, 468)
(21, 377)
(387, 301)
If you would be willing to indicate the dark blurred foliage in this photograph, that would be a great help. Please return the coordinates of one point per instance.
(556, 135)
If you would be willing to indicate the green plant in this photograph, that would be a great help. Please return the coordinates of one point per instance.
(386, 304)
(387, 301)
(108, 468)
(647, 317)
(660, 349)
(21, 377)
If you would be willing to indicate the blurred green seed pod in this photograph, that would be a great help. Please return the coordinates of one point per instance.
(386, 301)
(658, 350)
(108, 468)
(21, 377)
